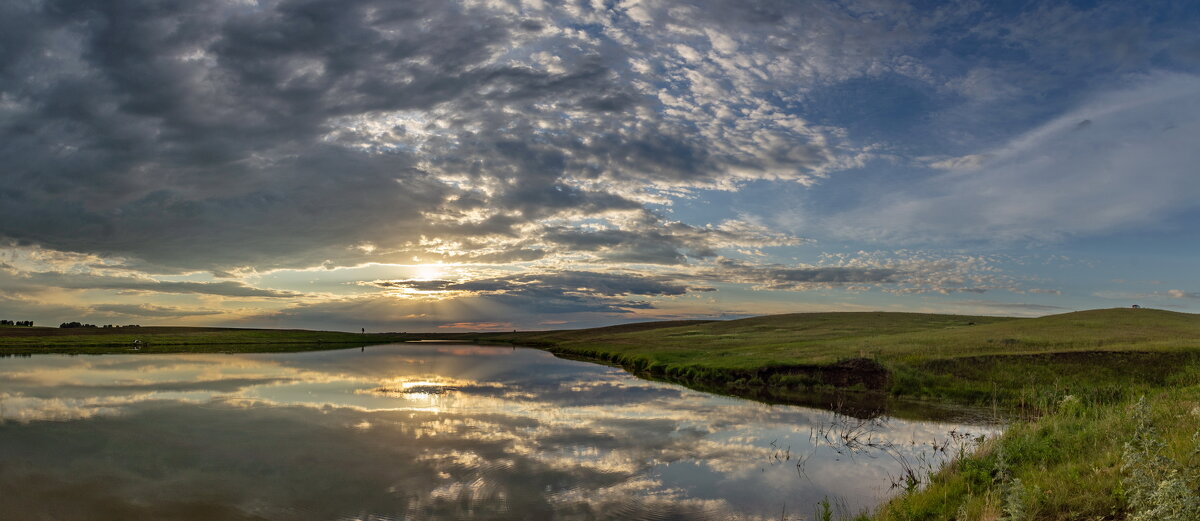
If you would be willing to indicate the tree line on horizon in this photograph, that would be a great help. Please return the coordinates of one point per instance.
(20, 323)
(69, 325)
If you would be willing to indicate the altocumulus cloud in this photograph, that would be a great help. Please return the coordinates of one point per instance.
(202, 135)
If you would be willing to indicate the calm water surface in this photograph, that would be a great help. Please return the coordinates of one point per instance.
(424, 431)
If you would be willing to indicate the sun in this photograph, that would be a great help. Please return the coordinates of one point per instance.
(427, 271)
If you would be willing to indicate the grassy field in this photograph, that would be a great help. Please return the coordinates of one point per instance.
(1026, 363)
(1107, 401)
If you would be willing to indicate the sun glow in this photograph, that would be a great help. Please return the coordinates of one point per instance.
(428, 271)
(427, 391)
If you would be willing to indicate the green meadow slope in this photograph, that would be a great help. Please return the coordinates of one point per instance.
(982, 360)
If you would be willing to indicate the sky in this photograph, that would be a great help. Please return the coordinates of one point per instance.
(436, 165)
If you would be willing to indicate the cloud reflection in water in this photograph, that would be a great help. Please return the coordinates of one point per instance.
(413, 431)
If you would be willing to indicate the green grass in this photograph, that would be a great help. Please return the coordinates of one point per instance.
(977, 360)
(1065, 465)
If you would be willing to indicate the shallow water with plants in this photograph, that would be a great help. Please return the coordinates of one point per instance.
(429, 431)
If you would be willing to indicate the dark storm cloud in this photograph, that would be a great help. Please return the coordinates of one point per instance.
(207, 135)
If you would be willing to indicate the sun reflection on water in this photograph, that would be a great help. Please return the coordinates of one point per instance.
(422, 428)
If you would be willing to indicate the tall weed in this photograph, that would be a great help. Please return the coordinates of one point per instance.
(1158, 488)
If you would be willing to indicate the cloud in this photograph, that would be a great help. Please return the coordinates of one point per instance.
(49, 313)
(783, 277)
(968, 162)
(578, 282)
(523, 300)
(221, 136)
(1023, 308)
(1178, 293)
(529, 296)
(478, 326)
(183, 137)
(1044, 291)
(1130, 166)
(899, 272)
(16, 307)
(558, 292)
(86, 281)
(150, 310)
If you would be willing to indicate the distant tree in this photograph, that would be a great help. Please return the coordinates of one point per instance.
(6, 322)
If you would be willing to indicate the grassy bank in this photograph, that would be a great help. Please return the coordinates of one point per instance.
(1125, 459)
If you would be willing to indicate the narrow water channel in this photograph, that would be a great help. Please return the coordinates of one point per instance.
(425, 432)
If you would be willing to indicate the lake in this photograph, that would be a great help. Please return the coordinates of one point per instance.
(426, 431)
